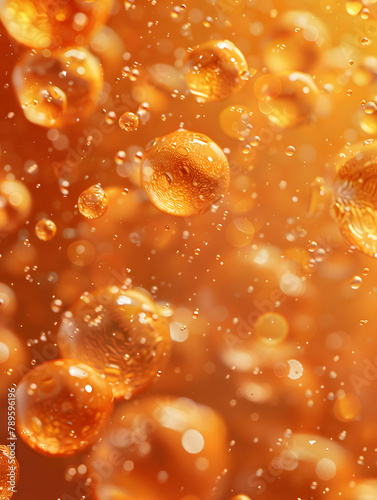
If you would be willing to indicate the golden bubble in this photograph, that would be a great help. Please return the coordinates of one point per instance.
(184, 439)
(45, 229)
(271, 328)
(12, 357)
(129, 121)
(15, 204)
(81, 253)
(215, 70)
(9, 472)
(347, 407)
(235, 121)
(355, 199)
(121, 333)
(40, 24)
(288, 99)
(62, 406)
(353, 8)
(240, 497)
(184, 173)
(356, 282)
(93, 202)
(58, 88)
(8, 301)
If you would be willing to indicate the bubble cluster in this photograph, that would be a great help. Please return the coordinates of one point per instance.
(177, 443)
(184, 173)
(122, 333)
(215, 70)
(53, 23)
(59, 88)
(62, 406)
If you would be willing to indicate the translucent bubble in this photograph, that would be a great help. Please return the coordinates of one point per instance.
(45, 229)
(15, 204)
(62, 406)
(129, 121)
(235, 121)
(271, 328)
(121, 333)
(215, 70)
(175, 435)
(347, 407)
(288, 99)
(355, 199)
(9, 472)
(353, 8)
(12, 356)
(49, 23)
(295, 43)
(290, 150)
(184, 173)
(240, 497)
(295, 369)
(58, 88)
(356, 282)
(93, 202)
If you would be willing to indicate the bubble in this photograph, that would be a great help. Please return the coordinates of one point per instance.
(356, 282)
(353, 8)
(48, 23)
(295, 43)
(215, 70)
(8, 301)
(271, 328)
(121, 333)
(295, 369)
(45, 229)
(235, 121)
(9, 472)
(15, 204)
(62, 406)
(325, 469)
(240, 497)
(59, 88)
(184, 173)
(355, 199)
(290, 150)
(368, 118)
(347, 407)
(93, 202)
(151, 435)
(12, 356)
(287, 99)
(129, 121)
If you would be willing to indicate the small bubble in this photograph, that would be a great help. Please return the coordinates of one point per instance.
(355, 282)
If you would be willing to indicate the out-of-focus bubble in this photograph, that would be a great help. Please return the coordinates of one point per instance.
(93, 202)
(235, 121)
(287, 99)
(45, 229)
(296, 42)
(15, 204)
(355, 199)
(271, 328)
(215, 70)
(58, 88)
(185, 440)
(62, 406)
(8, 301)
(184, 173)
(45, 23)
(13, 358)
(9, 472)
(347, 407)
(121, 333)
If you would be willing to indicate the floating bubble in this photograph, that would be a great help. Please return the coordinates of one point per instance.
(271, 328)
(9, 472)
(15, 204)
(129, 121)
(235, 121)
(347, 407)
(53, 23)
(287, 99)
(93, 202)
(45, 229)
(215, 70)
(185, 440)
(121, 333)
(58, 88)
(184, 173)
(62, 406)
(355, 199)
